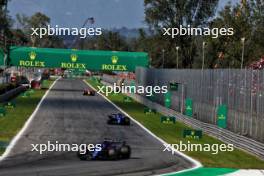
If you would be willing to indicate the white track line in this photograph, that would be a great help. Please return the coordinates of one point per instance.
(244, 172)
(22, 131)
(196, 163)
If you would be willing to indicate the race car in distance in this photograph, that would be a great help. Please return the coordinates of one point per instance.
(118, 119)
(89, 92)
(110, 150)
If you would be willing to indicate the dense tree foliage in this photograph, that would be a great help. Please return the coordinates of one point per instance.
(173, 13)
(38, 20)
(5, 23)
(245, 17)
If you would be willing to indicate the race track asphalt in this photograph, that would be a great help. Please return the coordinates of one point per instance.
(69, 117)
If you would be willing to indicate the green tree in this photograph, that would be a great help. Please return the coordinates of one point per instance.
(153, 45)
(5, 22)
(171, 14)
(247, 19)
(38, 20)
(108, 41)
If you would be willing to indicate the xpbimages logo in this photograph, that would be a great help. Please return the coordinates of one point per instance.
(62, 31)
(148, 90)
(188, 30)
(62, 147)
(192, 147)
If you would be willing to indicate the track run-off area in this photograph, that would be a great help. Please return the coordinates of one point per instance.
(66, 116)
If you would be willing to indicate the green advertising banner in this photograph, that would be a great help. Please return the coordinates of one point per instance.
(31, 91)
(132, 84)
(77, 59)
(2, 111)
(174, 86)
(127, 99)
(192, 134)
(222, 116)
(168, 119)
(149, 111)
(2, 57)
(167, 99)
(189, 107)
(10, 104)
(25, 94)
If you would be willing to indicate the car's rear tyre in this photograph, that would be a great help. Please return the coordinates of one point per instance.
(125, 152)
(127, 121)
(112, 154)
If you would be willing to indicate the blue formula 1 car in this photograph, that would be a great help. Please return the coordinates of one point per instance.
(109, 151)
(118, 119)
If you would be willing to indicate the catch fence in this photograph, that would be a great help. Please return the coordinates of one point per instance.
(242, 91)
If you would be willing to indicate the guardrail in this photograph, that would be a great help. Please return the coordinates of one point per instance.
(241, 142)
(12, 93)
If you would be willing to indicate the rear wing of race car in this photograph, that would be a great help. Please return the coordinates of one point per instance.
(117, 141)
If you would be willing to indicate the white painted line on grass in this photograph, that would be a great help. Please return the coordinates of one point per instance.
(22, 131)
(196, 163)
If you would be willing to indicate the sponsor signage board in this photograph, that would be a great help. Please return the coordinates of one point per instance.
(76, 59)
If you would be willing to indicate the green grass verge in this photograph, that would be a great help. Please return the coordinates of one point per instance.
(172, 134)
(15, 118)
